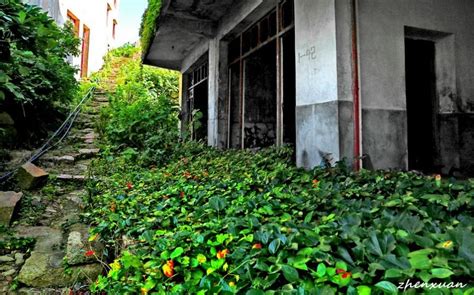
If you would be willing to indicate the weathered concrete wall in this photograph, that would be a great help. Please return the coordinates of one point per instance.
(323, 82)
(382, 66)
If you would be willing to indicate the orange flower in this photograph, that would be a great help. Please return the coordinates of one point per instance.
(222, 254)
(257, 246)
(315, 183)
(89, 253)
(168, 268)
(181, 194)
(113, 206)
(187, 174)
(129, 185)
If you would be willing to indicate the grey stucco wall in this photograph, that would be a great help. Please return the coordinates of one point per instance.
(382, 66)
(324, 127)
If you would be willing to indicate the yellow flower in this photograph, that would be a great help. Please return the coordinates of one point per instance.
(144, 291)
(201, 258)
(448, 244)
(115, 265)
(232, 284)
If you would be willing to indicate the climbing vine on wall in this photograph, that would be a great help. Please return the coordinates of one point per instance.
(148, 25)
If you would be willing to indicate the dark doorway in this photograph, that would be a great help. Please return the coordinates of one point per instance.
(201, 105)
(421, 102)
(260, 97)
(289, 87)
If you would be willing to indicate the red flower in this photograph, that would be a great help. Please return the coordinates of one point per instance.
(89, 253)
(257, 246)
(346, 275)
(181, 194)
(340, 270)
(129, 185)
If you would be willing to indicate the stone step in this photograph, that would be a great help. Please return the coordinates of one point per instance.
(30, 176)
(53, 160)
(71, 178)
(87, 153)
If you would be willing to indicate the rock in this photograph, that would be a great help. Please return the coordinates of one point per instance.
(6, 119)
(19, 258)
(76, 250)
(46, 238)
(8, 203)
(9, 272)
(31, 176)
(5, 258)
(45, 269)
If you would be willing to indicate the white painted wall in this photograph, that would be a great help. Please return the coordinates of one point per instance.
(93, 14)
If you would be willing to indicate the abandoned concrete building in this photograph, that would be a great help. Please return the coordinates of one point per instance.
(391, 79)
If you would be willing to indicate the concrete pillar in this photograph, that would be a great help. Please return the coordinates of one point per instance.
(213, 94)
(323, 82)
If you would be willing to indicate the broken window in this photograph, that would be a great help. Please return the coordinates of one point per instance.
(262, 82)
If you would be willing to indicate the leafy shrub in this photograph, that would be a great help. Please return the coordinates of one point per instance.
(225, 222)
(35, 78)
(143, 112)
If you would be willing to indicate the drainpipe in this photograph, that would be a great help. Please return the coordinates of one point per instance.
(356, 89)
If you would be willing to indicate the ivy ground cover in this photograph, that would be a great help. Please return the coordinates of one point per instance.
(235, 222)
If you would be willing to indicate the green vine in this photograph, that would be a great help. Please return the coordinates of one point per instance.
(148, 26)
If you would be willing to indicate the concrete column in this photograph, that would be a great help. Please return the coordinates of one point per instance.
(213, 107)
(323, 82)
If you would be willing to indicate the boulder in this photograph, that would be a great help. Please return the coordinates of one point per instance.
(31, 176)
(8, 203)
(46, 269)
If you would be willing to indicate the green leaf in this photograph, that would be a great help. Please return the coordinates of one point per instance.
(274, 245)
(441, 273)
(255, 292)
(177, 252)
(321, 270)
(387, 287)
(364, 290)
(290, 273)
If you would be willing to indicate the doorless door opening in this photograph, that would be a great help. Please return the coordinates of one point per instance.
(421, 104)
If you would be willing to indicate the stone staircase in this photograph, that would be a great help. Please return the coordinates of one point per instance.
(58, 263)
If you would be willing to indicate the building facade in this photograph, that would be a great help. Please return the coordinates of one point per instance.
(381, 83)
(95, 23)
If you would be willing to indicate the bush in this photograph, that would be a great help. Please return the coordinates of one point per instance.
(143, 111)
(35, 78)
(233, 222)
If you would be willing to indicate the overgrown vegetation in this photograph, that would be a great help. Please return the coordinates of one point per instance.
(148, 25)
(142, 117)
(36, 82)
(181, 218)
